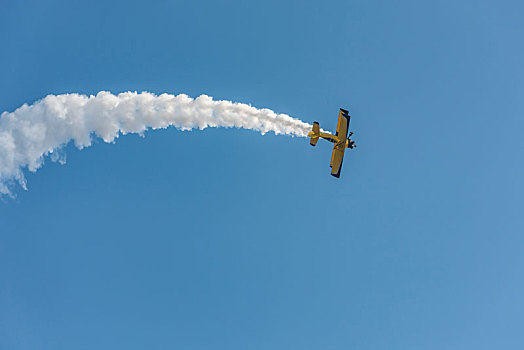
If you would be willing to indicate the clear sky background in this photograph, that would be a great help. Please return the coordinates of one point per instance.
(226, 239)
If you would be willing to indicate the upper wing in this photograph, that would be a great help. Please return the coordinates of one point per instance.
(337, 157)
(343, 124)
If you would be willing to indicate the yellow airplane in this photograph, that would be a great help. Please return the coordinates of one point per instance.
(341, 140)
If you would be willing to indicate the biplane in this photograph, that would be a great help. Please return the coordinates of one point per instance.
(341, 140)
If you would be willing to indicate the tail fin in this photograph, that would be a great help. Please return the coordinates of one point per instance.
(314, 134)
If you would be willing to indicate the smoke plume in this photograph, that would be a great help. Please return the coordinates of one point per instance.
(32, 132)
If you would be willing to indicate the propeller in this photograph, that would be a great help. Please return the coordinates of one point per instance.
(352, 143)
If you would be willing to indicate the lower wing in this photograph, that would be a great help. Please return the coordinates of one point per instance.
(337, 157)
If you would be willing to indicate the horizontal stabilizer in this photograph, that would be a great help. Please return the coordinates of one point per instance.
(314, 134)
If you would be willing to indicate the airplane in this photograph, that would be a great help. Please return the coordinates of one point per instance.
(341, 140)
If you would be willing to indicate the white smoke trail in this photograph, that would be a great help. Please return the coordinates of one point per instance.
(31, 133)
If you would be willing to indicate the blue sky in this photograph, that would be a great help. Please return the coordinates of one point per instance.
(226, 239)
